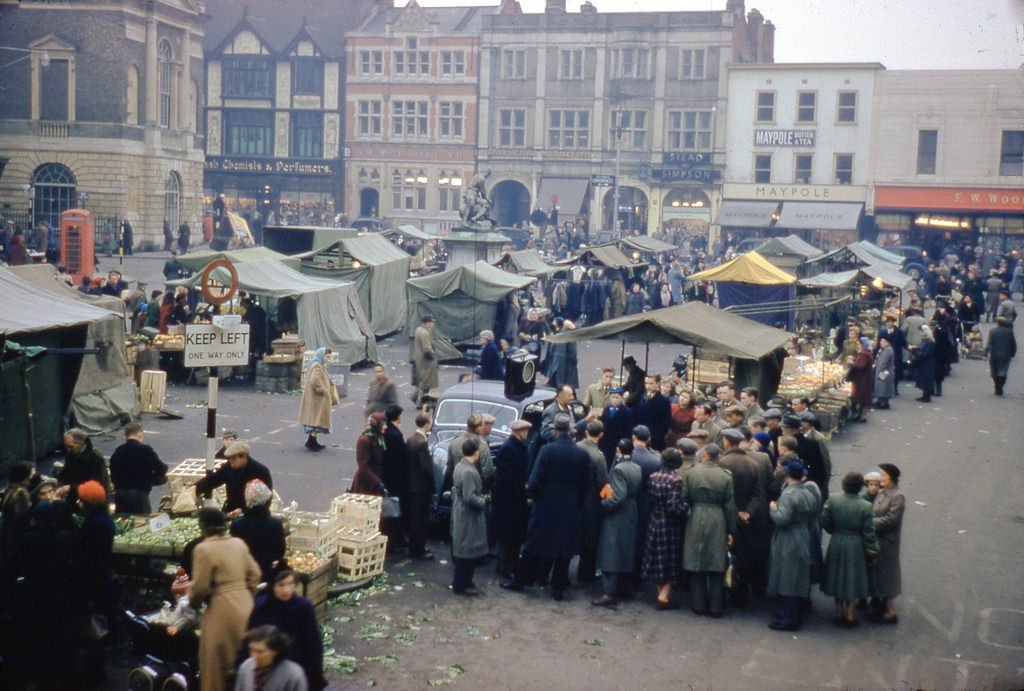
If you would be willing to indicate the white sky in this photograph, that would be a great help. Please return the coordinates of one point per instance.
(901, 34)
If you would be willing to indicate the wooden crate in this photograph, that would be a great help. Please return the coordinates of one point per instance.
(314, 532)
(190, 471)
(360, 557)
(359, 513)
(152, 390)
(315, 585)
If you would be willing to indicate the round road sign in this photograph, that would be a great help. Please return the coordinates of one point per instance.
(215, 292)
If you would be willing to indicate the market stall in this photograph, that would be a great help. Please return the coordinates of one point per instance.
(751, 279)
(789, 252)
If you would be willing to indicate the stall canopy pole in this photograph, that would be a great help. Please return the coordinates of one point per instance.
(647, 353)
(212, 386)
(622, 356)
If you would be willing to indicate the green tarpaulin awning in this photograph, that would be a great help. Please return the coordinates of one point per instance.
(644, 243)
(605, 255)
(790, 244)
(529, 263)
(692, 323)
(197, 261)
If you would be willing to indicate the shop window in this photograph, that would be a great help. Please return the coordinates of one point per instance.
(802, 169)
(450, 120)
(165, 59)
(807, 107)
(370, 118)
(693, 64)
(249, 132)
(927, 150)
(689, 130)
(846, 107)
(570, 63)
(371, 62)
(307, 77)
(844, 169)
(307, 134)
(172, 200)
(513, 64)
(763, 168)
(247, 77)
(53, 191)
(453, 63)
(631, 127)
(765, 106)
(569, 129)
(512, 128)
(1011, 156)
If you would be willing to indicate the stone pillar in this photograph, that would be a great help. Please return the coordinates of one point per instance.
(152, 75)
(185, 83)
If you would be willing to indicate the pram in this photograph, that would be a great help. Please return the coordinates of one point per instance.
(169, 662)
(971, 343)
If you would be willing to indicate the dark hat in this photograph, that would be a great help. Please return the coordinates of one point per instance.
(733, 435)
(618, 389)
(427, 318)
(791, 421)
(642, 432)
(629, 360)
(687, 446)
(807, 416)
(772, 414)
(562, 422)
(891, 470)
(763, 438)
(795, 469)
(712, 450)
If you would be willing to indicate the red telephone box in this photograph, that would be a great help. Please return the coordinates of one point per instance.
(77, 242)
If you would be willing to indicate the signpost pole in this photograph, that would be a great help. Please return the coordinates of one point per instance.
(212, 389)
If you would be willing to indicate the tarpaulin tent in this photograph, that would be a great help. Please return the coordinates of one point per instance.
(197, 261)
(329, 312)
(462, 300)
(703, 327)
(851, 256)
(528, 263)
(608, 256)
(751, 279)
(377, 268)
(104, 397)
(788, 252)
(647, 244)
(886, 273)
(37, 391)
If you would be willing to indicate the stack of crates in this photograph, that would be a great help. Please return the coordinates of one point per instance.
(187, 473)
(310, 531)
(361, 547)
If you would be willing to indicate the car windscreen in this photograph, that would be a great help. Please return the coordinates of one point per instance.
(454, 411)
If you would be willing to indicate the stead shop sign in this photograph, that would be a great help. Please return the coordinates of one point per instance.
(208, 345)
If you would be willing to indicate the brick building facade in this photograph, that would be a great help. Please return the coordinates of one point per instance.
(102, 99)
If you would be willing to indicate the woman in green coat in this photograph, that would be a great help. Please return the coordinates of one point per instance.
(850, 521)
(789, 575)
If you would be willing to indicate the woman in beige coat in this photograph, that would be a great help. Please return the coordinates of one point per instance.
(317, 398)
(225, 576)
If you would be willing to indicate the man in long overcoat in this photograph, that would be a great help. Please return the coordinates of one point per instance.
(707, 487)
(558, 485)
(592, 516)
(616, 550)
(1000, 349)
(424, 359)
(789, 577)
(509, 507)
(749, 498)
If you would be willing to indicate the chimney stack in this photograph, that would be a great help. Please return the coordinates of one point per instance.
(554, 6)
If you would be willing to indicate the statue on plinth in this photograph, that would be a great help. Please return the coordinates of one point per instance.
(476, 205)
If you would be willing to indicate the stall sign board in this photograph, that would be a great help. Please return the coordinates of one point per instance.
(207, 345)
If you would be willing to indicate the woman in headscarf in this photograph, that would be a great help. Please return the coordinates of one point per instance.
(318, 396)
(924, 364)
(370, 458)
(888, 507)
(261, 532)
(861, 376)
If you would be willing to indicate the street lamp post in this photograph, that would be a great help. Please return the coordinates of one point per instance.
(617, 129)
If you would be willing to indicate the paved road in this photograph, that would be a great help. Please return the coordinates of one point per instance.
(961, 615)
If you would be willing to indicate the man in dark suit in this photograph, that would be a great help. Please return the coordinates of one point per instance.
(897, 340)
(421, 486)
(809, 451)
(654, 410)
(617, 419)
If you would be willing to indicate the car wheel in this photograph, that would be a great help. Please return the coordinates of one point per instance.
(915, 271)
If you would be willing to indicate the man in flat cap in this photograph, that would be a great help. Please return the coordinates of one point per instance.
(687, 447)
(510, 511)
(809, 428)
(1000, 349)
(707, 487)
(748, 494)
(592, 514)
(234, 475)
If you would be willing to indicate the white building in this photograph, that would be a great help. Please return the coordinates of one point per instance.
(798, 150)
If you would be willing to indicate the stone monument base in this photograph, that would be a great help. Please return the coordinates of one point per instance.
(467, 245)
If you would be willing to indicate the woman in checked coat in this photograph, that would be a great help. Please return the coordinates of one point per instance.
(663, 559)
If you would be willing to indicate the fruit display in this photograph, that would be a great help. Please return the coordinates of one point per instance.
(808, 377)
(305, 562)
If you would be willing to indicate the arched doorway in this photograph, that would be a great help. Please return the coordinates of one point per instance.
(369, 202)
(54, 192)
(172, 200)
(511, 203)
(632, 210)
(686, 213)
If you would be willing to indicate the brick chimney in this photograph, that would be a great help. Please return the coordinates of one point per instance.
(554, 6)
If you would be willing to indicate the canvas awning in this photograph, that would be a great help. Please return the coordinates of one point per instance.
(28, 308)
(692, 323)
(645, 243)
(791, 245)
(746, 214)
(570, 193)
(415, 233)
(861, 252)
(886, 273)
(329, 312)
(529, 263)
(197, 261)
(609, 256)
(747, 268)
(820, 215)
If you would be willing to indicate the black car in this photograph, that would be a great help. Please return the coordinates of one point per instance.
(367, 224)
(520, 237)
(915, 260)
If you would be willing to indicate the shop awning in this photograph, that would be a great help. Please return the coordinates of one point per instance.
(746, 214)
(570, 193)
(820, 215)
